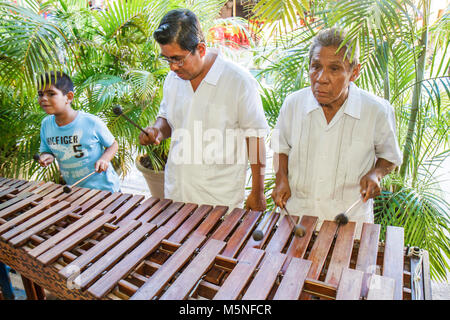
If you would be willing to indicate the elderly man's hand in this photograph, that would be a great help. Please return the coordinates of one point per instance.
(370, 186)
(281, 193)
(256, 201)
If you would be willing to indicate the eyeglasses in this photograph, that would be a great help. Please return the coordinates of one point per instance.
(177, 62)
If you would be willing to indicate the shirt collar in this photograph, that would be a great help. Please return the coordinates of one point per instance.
(213, 75)
(352, 106)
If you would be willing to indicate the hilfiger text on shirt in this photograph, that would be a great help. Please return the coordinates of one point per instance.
(62, 140)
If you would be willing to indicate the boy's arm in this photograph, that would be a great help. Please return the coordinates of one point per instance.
(103, 163)
(257, 156)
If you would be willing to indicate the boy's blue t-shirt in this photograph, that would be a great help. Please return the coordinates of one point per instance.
(77, 146)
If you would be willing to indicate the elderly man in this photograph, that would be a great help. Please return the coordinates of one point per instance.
(333, 141)
(213, 113)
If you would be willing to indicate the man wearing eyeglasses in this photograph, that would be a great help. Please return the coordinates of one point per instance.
(212, 111)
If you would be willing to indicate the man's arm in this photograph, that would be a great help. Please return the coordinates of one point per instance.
(155, 134)
(370, 182)
(281, 192)
(257, 156)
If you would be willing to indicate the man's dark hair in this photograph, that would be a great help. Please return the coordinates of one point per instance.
(58, 79)
(182, 27)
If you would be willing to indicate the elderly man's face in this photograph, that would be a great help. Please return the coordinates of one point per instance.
(330, 75)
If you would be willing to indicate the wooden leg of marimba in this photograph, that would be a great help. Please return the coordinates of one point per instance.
(32, 290)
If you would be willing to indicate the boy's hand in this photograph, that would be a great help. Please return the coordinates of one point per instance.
(153, 136)
(46, 159)
(101, 165)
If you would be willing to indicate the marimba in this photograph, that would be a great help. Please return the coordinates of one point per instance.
(92, 244)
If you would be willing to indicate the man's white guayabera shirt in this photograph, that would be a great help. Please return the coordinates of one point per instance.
(208, 154)
(327, 161)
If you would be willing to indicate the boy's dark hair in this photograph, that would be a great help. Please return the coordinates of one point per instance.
(58, 79)
(182, 27)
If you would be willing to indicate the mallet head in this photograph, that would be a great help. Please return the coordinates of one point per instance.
(341, 219)
(258, 235)
(117, 110)
(67, 189)
(36, 157)
(300, 230)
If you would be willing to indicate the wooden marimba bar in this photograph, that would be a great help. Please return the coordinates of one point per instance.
(92, 244)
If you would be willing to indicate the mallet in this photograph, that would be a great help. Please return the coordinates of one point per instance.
(258, 234)
(119, 112)
(299, 229)
(68, 189)
(342, 218)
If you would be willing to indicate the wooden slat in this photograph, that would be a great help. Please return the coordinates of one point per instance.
(367, 253)
(186, 281)
(168, 213)
(25, 236)
(155, 210)
(94, 202)
(235, 283)
(140, 210)
(5, 191)
(342, 253)
(162, 276)
(211, 220)
(298, 245)
(43, 187)
(85, 197)
(99, 249)
(178, 218)
(115, 254)
(75, 194)
(227, 225)
(321, 247)
(70, 242)
(426, 275)
(48, 190)
(33, 186)
(182, 232)
(128, 207)
(350, 284)
(107, 201)
(381, 288)
(293, 280)
(393, 258)
(264, 280)
(55, 239)
(55, 193)
(241, 234)
(46, 214)
(44, 205)
(102, 286)
(15, 200)
(124, 197)
(18, 206)
(252, 243)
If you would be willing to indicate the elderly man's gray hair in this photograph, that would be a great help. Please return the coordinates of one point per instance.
(335, 37)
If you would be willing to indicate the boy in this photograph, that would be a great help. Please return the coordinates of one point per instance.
(75, 138)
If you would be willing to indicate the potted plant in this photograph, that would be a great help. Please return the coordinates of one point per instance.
(151, 165)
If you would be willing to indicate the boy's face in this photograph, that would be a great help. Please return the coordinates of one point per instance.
(53, 100)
